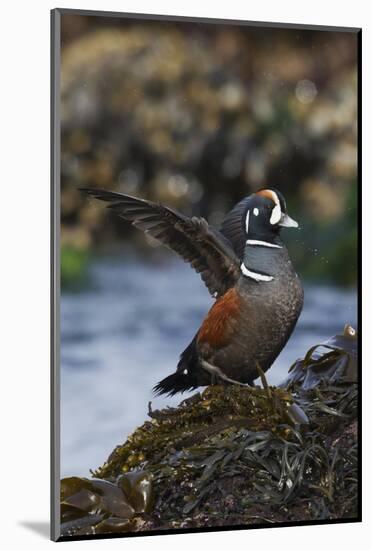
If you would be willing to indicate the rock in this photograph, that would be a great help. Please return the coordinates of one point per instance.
(234, 455)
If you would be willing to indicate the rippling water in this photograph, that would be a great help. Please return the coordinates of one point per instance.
(125, 332)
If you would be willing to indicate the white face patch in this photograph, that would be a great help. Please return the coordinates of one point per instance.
(247, 222)
(276, 212)
(256, 212)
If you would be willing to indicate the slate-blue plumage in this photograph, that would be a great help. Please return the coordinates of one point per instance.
(247, 269)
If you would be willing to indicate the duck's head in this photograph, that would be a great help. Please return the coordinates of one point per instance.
(253, 227)
(258, 217)
(265, 214)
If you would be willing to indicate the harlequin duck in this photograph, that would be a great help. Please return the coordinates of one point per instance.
(246, 268)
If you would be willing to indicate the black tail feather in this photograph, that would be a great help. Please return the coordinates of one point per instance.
(185, 378)
(175, 383)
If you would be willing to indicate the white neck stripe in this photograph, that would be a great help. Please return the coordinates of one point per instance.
(255, 276)
(262, 243)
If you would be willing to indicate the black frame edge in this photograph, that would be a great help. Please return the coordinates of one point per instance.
(55, 273)
(210, 20)
(225, 528)
(359, 263)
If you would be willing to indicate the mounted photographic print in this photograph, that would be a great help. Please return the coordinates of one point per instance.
(205, 192)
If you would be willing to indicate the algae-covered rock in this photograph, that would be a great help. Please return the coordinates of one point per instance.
(234, 455)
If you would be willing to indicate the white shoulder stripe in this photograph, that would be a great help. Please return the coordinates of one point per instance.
(262, 243)
(255, 276)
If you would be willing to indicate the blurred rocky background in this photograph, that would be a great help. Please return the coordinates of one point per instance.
(198, 116)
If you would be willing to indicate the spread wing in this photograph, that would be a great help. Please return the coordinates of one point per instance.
(205, 248)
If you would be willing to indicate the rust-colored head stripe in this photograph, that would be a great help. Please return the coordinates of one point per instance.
(268, 194)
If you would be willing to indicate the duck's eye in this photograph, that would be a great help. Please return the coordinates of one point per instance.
(256, 212)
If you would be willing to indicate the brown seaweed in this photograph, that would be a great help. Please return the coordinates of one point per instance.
(317, 366)
(91, 506)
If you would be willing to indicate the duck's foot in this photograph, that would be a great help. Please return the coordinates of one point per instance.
(218, 376)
